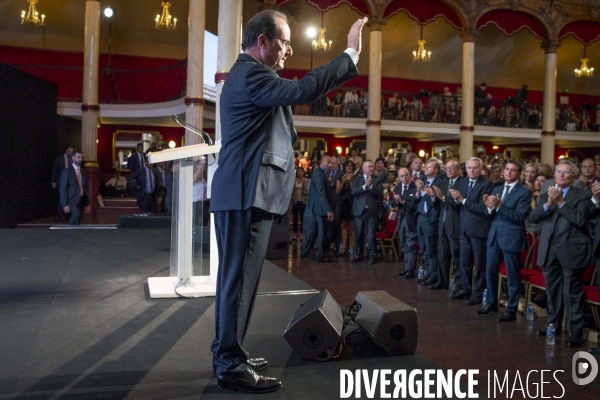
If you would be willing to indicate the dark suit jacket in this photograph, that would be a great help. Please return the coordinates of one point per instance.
(58, 168)
(69, 188)
(433, 205)
(452, 210)
(408, 210)
(137, 181)
(566, 228)
(474, 217)
(508, 224)
(373, 197)
(257, 131)
(320, 197)
(133, 163)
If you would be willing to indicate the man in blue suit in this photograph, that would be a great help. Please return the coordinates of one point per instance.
(320, 204)
(428, 211)
(74, 193)
(509, 205)
(137, 161)
(255, 178)
(474, 229)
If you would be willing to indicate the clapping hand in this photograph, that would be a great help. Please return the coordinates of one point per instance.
(596, 190)
(456, 195)
(430, 192)
(555, 195)
(399, 199)
(420, 185)
(369, 182)
(438, 192)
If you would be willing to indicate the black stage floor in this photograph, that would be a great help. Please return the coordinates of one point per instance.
(76, 322)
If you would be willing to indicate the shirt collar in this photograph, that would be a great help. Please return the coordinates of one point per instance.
(512, 185)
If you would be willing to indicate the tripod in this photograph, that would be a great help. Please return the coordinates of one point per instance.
(111, 85)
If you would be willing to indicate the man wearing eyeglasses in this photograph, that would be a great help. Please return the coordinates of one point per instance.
(257, 125)
(564, 250)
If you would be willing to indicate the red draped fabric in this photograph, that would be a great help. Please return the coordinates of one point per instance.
(325, 5)
(424, 11)
(586, 32)
(511, 22)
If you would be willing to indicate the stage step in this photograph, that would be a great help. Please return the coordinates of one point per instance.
(118, 210)
(119, 202)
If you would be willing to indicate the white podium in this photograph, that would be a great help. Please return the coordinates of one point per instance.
(182, 281)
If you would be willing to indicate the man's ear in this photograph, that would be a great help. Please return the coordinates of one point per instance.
(262, 41)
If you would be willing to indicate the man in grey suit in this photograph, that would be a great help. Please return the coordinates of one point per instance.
(320, 204)
(565, 249)
(509, 205)
(406, 200)
(257, 161)
(366, 207)
(74, 192)
(593, 211)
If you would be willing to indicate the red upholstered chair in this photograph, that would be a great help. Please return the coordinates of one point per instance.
(529, 268)
(593, 300)
(387, 238)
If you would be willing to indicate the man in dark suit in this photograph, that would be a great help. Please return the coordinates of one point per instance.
(592, 212)
(137, 160)
(416, 170)
(366, 208)
(334, 227)
(257, 160)
(61, 163)
(449, 226)
(320, 199)
(474, 228)
(146, 183)
(509, 205)
(406, 200)
(428, 214)
(565, 249)
(74, 193)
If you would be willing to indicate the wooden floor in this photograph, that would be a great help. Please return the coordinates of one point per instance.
(451, 334)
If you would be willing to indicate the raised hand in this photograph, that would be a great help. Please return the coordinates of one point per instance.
(420, 185)
(438, 192)
(355, 34)
(596, 190)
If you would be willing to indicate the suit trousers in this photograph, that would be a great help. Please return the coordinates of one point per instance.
(242, 240)
(449, 249)
(76, 211)
(428, 235)
(365, 223)
(472, 249)
(512, 260)
(298, 208)
(564, 287)
(316, 232)
(408, 244)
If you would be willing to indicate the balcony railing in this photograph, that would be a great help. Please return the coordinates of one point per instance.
(120, 86)
(427, 107)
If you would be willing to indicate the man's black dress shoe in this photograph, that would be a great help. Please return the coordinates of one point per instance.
(488, 309)
(372, 261)
(474, 300)
(356, 259)
(246, 379)
(409, 275)
(438, 286)
(324, 259)
(306, 256)
(508, 316)
(403, 273)
(257, 364)
(542, 332)
(428, 282)
(460, 295)
(575, 340)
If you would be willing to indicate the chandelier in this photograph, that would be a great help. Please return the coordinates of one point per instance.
(164, 21)
(584, 70)
(421, 54)
(32, 16)
(321, 43)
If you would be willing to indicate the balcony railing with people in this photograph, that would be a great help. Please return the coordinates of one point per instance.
(120, 86)
(425, 106)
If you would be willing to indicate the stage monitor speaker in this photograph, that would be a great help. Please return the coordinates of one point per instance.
(390, 323)
(316, 328)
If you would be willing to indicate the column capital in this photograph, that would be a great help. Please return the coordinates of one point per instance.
(375, 23)
(469, 34)
(550, 45)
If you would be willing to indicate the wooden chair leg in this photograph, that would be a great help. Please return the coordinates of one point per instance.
(500, 277)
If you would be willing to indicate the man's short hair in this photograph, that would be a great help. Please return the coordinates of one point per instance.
(263, 23)
(515, 162)
(140, 144)
(477, 159)
(437, 166)
(75, 152)
(574, 167)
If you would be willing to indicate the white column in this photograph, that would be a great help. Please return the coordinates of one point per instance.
(549, 107)
(374, 109)
(468, 96)
(194, 100)
(89, 105)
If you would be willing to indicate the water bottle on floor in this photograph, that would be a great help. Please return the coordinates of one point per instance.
(550, 335)
(530, 316)
(452, 286)
(484, 301)
(351, 253)
(420, 273)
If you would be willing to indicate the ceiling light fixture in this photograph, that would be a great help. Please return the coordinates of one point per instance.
(164, 21)
(321, 43)
(421, 54)
(32, 16)
(584, 70)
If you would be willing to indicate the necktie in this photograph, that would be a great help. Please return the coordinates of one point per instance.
(425, 208)
(149, 181)
(403, 190)
(79, 180)
(471, 183)
(141, 159)
(506, 190)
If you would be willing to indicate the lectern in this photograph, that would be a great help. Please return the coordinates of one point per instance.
(182, 280)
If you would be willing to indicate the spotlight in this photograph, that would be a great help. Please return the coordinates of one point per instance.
(109, 12)
(311, 32)
(172, 144)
